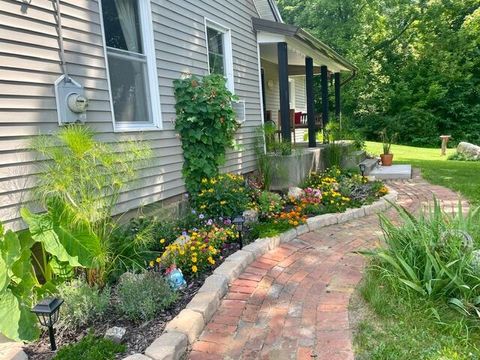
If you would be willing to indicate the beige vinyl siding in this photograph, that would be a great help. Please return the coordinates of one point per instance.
(300, 93)
(272, 94)
(29, 64)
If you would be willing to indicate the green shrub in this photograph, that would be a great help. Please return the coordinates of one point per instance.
(461, 157)
(222, 196)
(142, 296)
(432, 256)
(82, 303)
(269, 204)
(90, 348)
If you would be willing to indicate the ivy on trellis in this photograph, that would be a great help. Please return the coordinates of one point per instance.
(206, 123)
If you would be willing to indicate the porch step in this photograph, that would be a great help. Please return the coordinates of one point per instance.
(370, 165)
(394, 172)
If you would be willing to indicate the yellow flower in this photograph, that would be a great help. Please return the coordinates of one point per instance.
(210, 260)
(158, 260)
(182, 252)
(204, 181)
(162, 241)
(194, 259)
(203, 206)
(152, 263)
(194, 269)
(223, 202)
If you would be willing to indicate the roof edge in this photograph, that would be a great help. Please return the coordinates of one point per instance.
(304, 36)
(275, 10)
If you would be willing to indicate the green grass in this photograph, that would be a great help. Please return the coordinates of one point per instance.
(407, 327)
(461, 176)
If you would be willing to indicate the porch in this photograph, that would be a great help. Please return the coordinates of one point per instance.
(290, 59)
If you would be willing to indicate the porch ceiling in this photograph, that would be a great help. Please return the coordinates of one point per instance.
(300, 45)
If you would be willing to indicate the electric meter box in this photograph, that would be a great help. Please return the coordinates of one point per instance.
(71, 101)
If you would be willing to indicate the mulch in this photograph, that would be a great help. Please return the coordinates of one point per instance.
(138, 337)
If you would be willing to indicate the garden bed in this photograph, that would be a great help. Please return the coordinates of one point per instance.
(138, 335)
(197, 244)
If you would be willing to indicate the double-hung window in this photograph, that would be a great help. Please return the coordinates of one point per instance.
(131, 64)
(219, 48)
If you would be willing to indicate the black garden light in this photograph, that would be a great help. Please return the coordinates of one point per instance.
(239, 221)
(48, 312)
(363, 168)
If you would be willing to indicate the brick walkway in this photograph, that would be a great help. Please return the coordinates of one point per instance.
(292, 303)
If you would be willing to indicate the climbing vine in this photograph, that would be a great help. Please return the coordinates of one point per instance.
(206, 123)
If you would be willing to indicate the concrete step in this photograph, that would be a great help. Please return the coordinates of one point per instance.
(394, 172)
(12, 351)
(370, 165)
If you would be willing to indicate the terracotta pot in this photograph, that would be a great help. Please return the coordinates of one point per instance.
(387, 159)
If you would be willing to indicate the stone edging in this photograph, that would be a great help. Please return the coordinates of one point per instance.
(187, 326)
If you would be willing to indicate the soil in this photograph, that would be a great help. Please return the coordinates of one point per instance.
(138, 337)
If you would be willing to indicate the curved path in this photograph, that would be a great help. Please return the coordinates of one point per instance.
(292, 303)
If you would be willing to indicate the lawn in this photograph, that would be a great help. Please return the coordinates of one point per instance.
(462, 176)
(393, 323)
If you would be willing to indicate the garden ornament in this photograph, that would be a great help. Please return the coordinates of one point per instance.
(175, 278)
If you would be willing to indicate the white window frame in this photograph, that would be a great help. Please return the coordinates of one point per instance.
(292, 92)
(227, 48)
(148, 44)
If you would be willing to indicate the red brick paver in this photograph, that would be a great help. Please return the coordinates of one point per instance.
(292, 303)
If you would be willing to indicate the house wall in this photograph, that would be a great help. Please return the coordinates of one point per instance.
(29, 65)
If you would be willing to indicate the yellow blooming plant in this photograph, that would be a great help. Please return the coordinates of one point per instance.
(200, 250)
(223, 196)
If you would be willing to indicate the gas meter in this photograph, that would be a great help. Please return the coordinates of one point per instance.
(71, 101)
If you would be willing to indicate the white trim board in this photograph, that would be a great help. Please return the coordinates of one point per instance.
(148, 42)
(227, 46)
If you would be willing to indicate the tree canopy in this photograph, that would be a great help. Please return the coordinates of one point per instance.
(419, 63)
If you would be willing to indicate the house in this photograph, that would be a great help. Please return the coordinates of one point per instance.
(122, 56)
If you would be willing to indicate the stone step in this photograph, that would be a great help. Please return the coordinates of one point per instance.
(394, 172)
(370, 165)
(12, 351)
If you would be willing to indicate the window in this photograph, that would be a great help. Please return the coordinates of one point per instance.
(131, 64)
(219, 48)
(292, 93)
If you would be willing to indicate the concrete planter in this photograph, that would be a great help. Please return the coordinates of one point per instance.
(291, 170)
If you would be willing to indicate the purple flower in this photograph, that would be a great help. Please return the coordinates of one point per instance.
(194, 211)
(220, 218)
(195, 229)
(184, 233)
(227, 222)
(201, 216)
(210, 222)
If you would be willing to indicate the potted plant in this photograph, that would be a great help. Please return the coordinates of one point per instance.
(387, 156)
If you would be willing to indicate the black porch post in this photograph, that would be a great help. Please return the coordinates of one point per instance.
(338, 104)
(283, 87)
(324, 80)
(312, 141)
